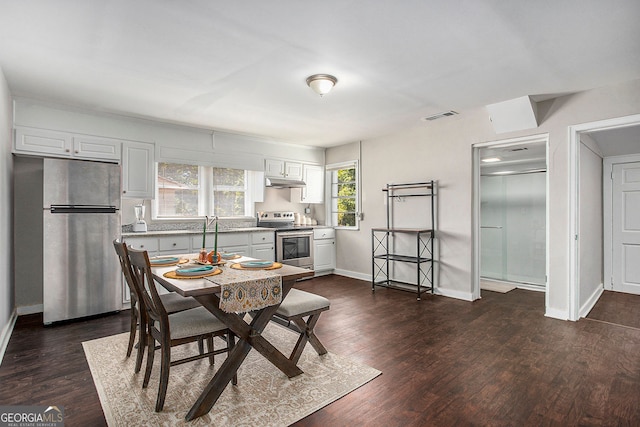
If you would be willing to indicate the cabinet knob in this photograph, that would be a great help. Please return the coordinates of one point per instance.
(141, 246)
(76, 151)
(174, 244)
(67, 150)
(124, 191)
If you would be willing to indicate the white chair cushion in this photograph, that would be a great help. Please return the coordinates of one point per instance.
(300, 302)
(192, 322)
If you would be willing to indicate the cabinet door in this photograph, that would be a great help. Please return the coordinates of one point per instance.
(265, 252)
(138, 170)
(293, 170)
(324, 255)
(225, 240)
(262, 237)
(87, 147)
(313, 176)
(42, 141)
(149, 244)
(174, 244)
(274, 168)
(240, 250)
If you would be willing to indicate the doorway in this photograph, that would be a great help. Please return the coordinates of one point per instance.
(618, 142)
(510, 215)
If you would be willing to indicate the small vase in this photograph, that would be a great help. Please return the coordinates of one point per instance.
(202, 256)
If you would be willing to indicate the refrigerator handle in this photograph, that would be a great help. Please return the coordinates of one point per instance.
(62, 209)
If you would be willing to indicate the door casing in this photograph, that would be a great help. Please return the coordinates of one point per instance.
(573, 312)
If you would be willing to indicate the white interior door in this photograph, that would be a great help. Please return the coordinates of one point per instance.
(626, 227)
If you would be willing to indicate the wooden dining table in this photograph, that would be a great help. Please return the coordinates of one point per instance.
(249, 333)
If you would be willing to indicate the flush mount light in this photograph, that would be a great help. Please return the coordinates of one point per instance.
(321, 83)
(490, 160)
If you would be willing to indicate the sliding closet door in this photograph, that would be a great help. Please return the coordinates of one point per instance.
(513, 225)
(525, 198)
(492, 219)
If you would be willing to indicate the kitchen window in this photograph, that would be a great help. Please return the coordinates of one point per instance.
(191, 191)
(343, 188)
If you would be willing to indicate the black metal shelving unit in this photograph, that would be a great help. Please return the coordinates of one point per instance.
(381, 238)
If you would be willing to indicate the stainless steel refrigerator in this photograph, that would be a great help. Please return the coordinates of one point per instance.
(81, 273)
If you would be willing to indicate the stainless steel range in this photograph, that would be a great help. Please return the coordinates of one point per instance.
(294, 244)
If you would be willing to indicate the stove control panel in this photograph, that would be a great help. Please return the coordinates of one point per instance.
(284, 216)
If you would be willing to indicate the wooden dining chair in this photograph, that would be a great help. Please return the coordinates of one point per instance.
(297, 306)
(172, 302)
(170, 330)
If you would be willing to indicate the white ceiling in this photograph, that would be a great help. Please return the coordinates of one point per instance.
(241, 65)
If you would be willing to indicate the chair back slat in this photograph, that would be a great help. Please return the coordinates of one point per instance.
(123, 256)
(141, 269)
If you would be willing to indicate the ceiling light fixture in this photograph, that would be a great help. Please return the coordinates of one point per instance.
(321, 83)
(491, 160)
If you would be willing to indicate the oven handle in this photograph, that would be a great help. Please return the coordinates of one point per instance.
(294, 233)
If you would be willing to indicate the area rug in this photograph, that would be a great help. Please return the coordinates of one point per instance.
(495, 286)
(264, 396)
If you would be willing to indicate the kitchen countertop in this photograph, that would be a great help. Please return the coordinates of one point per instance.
(158, 233)
(179, 232)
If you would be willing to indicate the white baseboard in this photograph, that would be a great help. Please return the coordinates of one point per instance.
(322, 273)
(353, 274)
(6, 334)
(452, 293)
(30, 309)
(554, 313)
(591, 301)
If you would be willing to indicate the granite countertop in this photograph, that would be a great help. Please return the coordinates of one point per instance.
(182, 232)
(187, 232)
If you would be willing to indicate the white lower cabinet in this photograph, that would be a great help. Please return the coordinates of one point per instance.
(227, 242)
(149, 244)
(174, 245)
(263, 245)
(265, 252)
(257, 244)
(324, 250)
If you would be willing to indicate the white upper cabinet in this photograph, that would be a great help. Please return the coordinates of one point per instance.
(138, 170)
(41, 141)
(313, 176)
(90, 147)
(293, 170)
(62, 144)
(275, 168)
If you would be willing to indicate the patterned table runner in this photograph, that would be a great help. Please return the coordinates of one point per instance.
(247, 290)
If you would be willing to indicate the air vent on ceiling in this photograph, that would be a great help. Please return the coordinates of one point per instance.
(439, 115)
(519, 149)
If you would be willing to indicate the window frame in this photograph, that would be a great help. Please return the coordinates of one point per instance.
(206, 190)
(329, 172)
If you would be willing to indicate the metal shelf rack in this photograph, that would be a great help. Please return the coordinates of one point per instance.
(423, 257)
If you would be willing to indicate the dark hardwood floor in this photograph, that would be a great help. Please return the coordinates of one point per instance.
(617, 308)
(495, 362)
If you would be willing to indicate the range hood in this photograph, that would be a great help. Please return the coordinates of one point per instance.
(283, 183)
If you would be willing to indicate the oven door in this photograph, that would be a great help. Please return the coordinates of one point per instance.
(295, 248)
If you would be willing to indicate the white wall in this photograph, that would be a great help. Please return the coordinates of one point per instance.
(442, 150)
(590, 224)
(6, 234)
